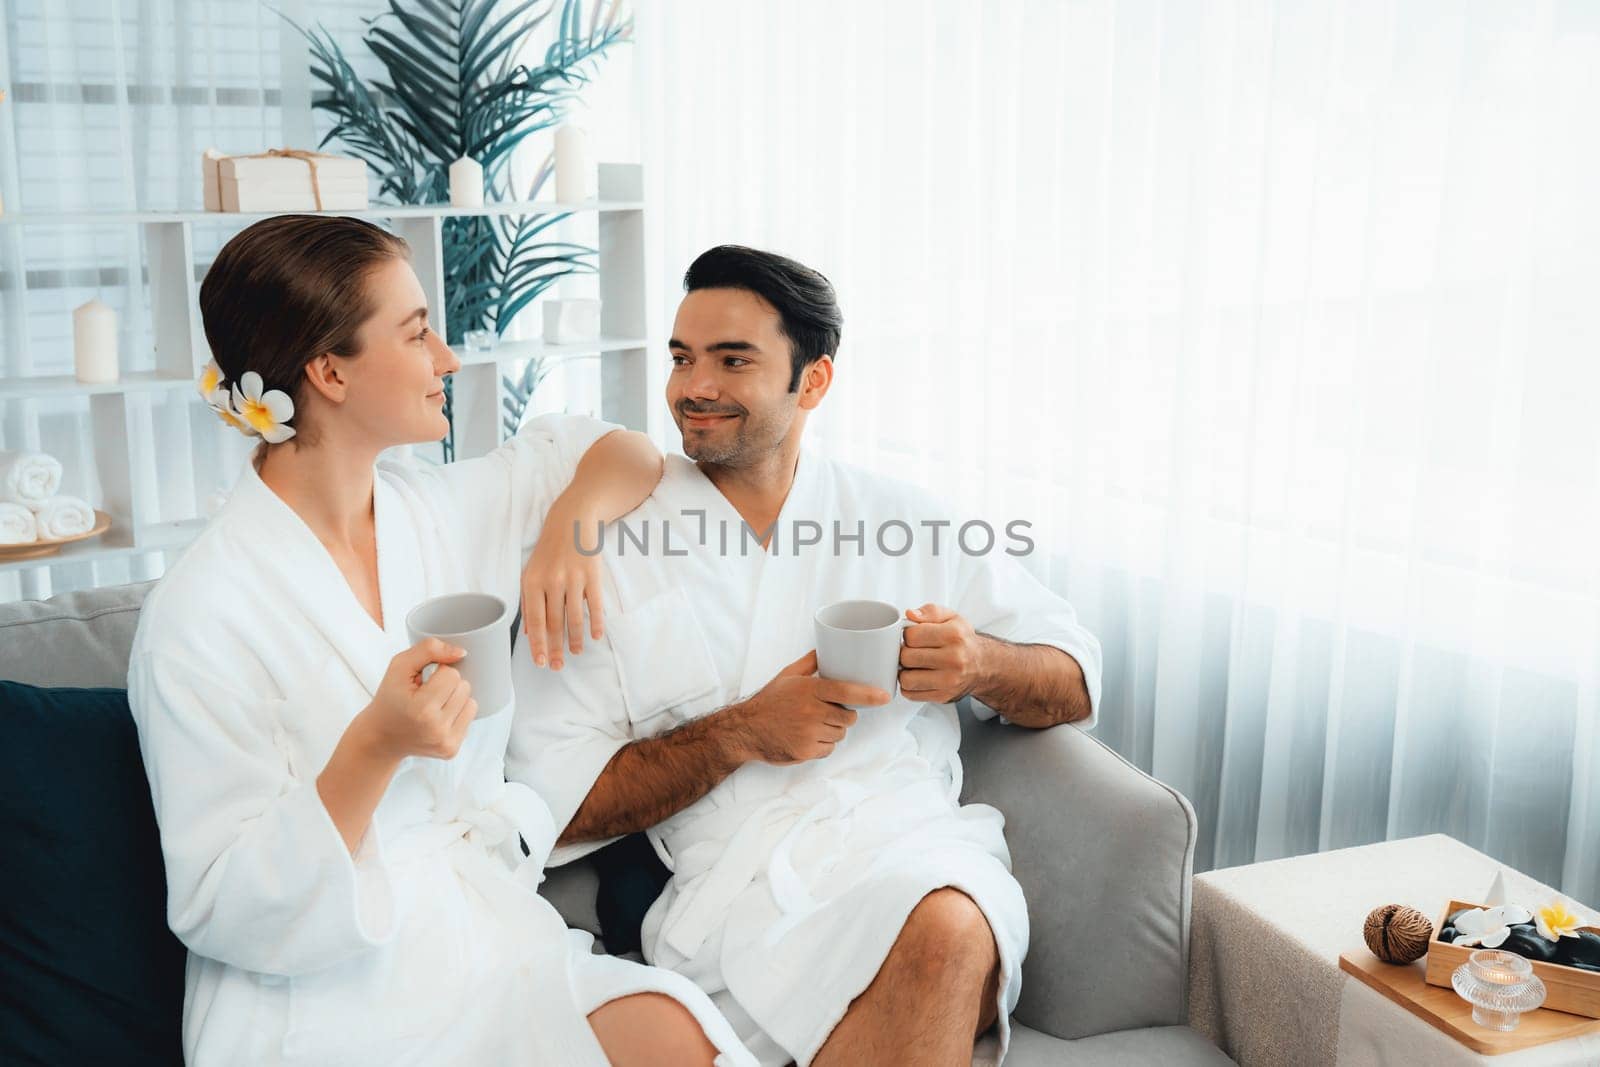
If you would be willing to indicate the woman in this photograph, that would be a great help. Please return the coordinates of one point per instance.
(344, 857)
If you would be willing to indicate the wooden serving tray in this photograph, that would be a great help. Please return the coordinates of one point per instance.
(1406, 986)
(40, 549)
(1566, 988)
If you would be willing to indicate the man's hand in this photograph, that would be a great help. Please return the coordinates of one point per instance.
(798, 716)
(1032, 685)
(793, 718)
(942, 659)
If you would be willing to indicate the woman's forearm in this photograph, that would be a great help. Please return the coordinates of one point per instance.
(613, 478)
(354, 781)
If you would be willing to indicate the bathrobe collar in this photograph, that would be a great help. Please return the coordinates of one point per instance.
(300, 568)
(785, 575)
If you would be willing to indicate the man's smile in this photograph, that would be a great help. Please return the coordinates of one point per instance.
(701, 422)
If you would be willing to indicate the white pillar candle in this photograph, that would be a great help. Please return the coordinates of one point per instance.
(94, 343)
(574, 172)
(466, 183)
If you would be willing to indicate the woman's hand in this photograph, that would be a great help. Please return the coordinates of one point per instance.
(614, 476)
(412, 717)
(556, 585)
(407, 717)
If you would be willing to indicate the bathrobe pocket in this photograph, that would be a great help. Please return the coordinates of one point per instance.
(666, 670)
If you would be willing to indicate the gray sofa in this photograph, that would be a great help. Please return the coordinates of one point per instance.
(1103, 852)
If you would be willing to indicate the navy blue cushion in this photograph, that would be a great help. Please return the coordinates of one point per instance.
(89, 971)
(631, 877)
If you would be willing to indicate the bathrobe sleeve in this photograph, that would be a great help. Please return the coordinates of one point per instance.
(258, 876)
(567, 726)
(512, 488)
(998, 596)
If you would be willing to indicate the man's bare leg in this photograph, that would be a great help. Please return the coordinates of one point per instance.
(933, 996)
(649, 1030)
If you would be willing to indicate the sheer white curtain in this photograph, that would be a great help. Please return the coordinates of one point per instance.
(1278, 320)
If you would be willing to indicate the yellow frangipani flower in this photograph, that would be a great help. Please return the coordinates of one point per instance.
(1555, 921)
(221, 402)
(210, 378)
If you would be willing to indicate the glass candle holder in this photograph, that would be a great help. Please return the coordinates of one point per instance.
(481, 340)
(1500, 986)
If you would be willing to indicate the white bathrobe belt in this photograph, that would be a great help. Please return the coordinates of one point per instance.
(494, 825)
(699, 909)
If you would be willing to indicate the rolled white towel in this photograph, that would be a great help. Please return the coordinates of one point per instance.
(29, 478)
(64, 516)
(17, 524)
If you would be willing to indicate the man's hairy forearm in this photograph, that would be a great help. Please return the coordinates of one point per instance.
(652, 780)
(1032, 685)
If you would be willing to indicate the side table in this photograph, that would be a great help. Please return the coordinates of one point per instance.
(1264, 977)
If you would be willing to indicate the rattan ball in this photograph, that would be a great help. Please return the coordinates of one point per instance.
(1398, 934)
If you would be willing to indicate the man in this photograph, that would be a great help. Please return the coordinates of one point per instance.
(828, 889)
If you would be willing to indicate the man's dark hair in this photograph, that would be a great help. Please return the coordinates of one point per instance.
(808, 311)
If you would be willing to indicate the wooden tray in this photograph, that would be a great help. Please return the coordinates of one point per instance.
(1405, 985)
(38, 549)
(1566, 988)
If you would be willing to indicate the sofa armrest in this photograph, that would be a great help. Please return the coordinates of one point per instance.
(1104, 854)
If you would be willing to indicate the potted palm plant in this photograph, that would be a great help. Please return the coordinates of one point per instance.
(457, 83)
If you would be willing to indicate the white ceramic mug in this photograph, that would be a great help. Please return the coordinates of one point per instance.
(479, 624)
(859, 641)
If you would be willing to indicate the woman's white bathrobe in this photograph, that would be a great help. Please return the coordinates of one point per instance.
(430, 945)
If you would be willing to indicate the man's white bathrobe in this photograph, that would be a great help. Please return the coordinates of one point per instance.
(790, 884)
(431, 944)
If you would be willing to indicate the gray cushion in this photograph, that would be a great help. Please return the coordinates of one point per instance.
(77, 639)
(572, 889)
(1103, 853)
(1162, 1045)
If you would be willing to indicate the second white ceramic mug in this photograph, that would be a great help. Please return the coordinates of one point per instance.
(859, 641)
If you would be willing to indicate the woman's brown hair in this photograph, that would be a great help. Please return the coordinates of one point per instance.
(288, 289)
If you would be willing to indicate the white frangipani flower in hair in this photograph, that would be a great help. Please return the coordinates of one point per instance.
(267, 412)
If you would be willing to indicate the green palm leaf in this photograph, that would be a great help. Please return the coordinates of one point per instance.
(452, 86)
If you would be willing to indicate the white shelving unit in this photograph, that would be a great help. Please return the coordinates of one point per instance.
(124, 463)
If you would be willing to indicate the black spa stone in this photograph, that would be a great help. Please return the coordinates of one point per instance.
(1581, 951)
(1526, 941)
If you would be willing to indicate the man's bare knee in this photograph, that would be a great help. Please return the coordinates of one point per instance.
(989, 1000)
(946, 931)
(949, 917)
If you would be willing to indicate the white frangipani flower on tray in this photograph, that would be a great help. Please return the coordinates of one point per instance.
(1489, 927)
